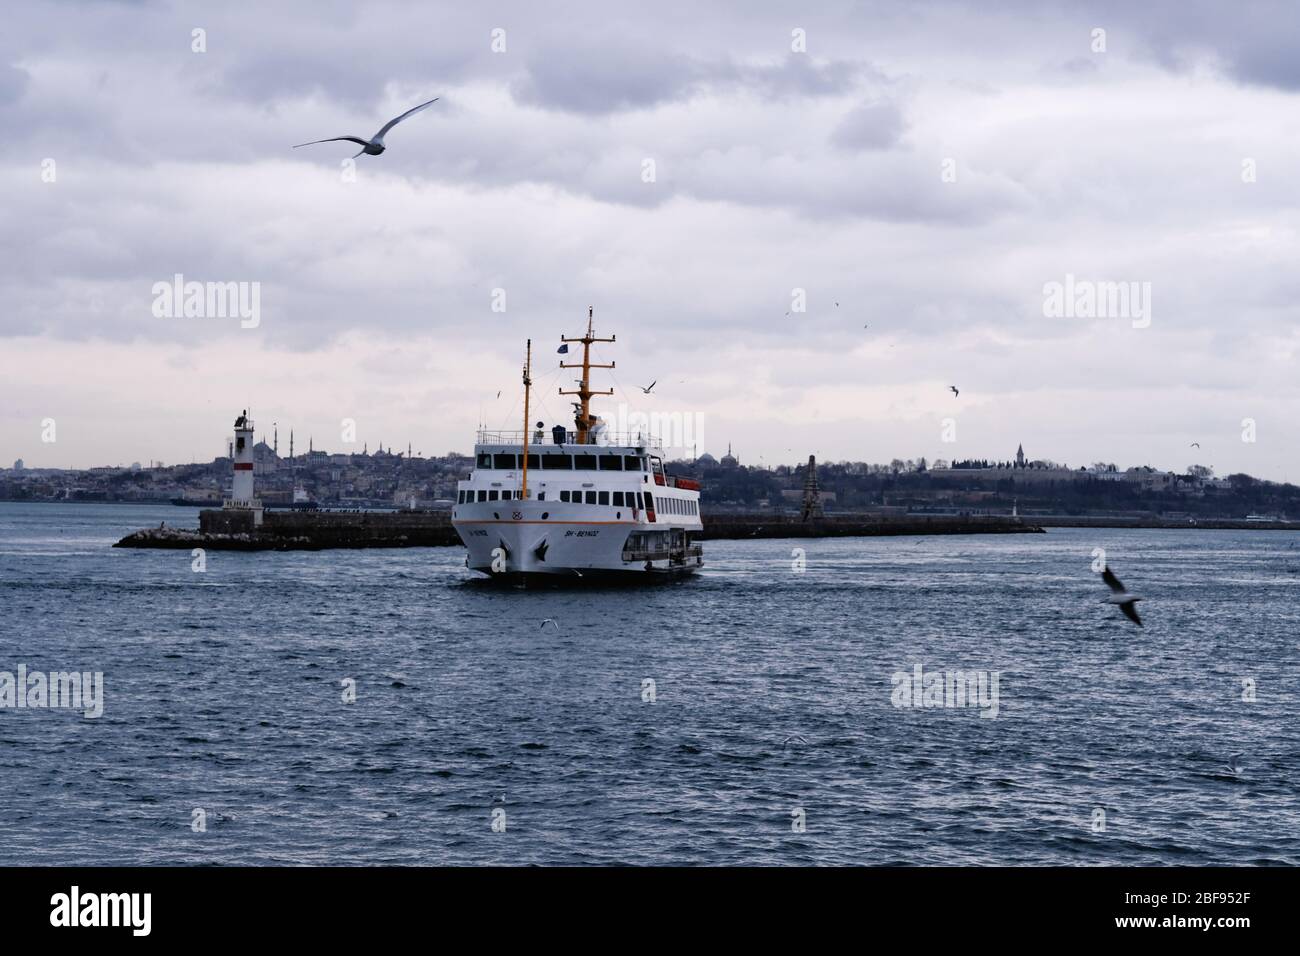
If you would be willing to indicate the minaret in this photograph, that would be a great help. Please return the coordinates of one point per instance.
(812, 499)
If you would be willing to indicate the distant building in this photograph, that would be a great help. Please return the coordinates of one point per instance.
(265, 460)
(1020, 456)
(18, 465)
(729, 460)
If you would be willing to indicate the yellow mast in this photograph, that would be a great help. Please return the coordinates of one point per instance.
(528, 382)
(583, 419)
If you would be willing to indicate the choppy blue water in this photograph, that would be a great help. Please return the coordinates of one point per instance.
(772, 698)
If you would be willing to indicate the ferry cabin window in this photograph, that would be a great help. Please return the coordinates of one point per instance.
(584, 462)
(492, 495)
(564, 496)
(505, 495)
(591, 497)
(482, 495)
(632, 463)
(532, 461)
(649, 502)
(639, 501)
(611, 462)
(618, 499)
(503, 461)
(603, 497)
(485, 461)
(555, 462)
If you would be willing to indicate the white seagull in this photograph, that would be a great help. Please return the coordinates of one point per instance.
(646, 388)
(1121, 597)
(375, 145)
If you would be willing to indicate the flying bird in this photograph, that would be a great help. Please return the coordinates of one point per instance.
(1234, 763)
(550, 621)
(375, 145)
(953, 389)
(646, 388)
(1196, 444)
(1121, 597)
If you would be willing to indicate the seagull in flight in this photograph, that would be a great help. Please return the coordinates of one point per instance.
(646, 388)
(1234, 763)
(1121, 597)
(1196, 444)
(550, 621)
(375, 145)
(953, 389)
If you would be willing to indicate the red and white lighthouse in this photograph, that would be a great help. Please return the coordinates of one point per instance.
(241, 488)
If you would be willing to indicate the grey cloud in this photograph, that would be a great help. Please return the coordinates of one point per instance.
(13, 81)
(600, 79)
(875, 125)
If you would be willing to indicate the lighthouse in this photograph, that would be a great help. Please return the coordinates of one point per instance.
(241, 489)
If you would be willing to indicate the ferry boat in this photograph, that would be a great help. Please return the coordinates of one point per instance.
(576, 503)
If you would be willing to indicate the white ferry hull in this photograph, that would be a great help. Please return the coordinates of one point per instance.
(576, 547)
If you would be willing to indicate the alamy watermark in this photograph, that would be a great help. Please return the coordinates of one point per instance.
(179, 299)
(1087, 299)
(676, 431)
(922, 688)
(72, 690)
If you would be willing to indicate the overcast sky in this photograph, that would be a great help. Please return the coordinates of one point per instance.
(930, 167)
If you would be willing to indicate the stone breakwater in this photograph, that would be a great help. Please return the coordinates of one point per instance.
(315, 530)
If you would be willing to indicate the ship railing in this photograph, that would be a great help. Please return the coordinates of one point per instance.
(241, 504)
(546, 437)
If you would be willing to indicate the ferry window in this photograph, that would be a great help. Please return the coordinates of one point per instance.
(631, 463)
(485, 461)
(602, 498)
(591, 497)
(639, 501)
(649, 502)
(564, 496)
(553, 462)
(611, 462)
(584, 462)
(482, 494)
(505, 495)
(541, 496)
(492, 495)
(503, 461)
(532, 461)
(618, 499)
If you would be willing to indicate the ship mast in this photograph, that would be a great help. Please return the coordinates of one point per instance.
(583, 419)
(528, 383)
